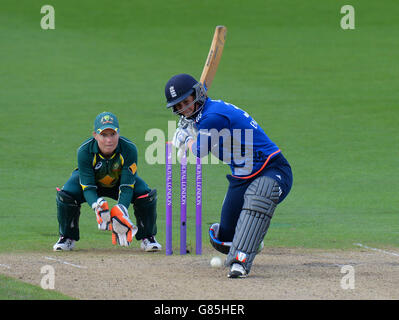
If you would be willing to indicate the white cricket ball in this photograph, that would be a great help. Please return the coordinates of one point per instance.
(216, 262)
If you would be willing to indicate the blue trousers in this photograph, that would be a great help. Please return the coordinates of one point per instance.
(278, 169)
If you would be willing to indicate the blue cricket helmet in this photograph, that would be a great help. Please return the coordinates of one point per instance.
(180, 86)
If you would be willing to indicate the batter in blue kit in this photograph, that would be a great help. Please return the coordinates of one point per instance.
(260, 177)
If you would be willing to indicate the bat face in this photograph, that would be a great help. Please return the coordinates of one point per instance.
(214, 55)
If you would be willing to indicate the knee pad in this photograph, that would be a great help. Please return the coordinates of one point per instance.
(145, 211)
(260, 201)
(262, 196)
(65, 198)
(146, 199)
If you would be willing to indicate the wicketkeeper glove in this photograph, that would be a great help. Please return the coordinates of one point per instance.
(103, 216)
(123, 229)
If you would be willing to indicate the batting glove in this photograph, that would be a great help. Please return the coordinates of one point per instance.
(181, 138)
(189, 125)
(123, 229)
(102, 214)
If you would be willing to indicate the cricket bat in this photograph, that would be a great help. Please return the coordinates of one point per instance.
(214, 55)
(211, 63)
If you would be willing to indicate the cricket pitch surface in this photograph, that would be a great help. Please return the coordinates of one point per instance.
(277, 274)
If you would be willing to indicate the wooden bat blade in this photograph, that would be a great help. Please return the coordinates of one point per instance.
(214, 55)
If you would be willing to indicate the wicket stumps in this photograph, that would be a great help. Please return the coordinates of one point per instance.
(198, 207)
(169, 185)
(183, 203)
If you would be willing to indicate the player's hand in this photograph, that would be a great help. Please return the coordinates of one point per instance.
(123, 229)
(181, 152)
(181, 138)
(189, 125)
(103, 215)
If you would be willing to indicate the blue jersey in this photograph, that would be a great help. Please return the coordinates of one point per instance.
(234, 137)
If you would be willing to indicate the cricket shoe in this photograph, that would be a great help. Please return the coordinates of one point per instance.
(237, 271)
(64, 244)
(150, 244)
(261, 246)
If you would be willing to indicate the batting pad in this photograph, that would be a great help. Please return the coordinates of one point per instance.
(259, 204)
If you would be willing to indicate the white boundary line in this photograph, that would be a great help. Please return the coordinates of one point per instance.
(375, 249)
(67, 263)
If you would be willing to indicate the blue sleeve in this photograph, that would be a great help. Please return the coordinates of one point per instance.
(208, 137)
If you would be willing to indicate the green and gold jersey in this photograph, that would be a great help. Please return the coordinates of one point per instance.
(117, 171)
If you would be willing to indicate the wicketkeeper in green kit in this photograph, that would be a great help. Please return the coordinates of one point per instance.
(107, 167)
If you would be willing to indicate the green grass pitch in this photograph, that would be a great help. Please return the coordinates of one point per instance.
(11, 289)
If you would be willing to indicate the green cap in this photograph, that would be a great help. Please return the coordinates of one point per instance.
(106, 120)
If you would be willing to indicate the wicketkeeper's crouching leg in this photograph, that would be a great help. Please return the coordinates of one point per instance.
(145, 211)
(260, 200)
(68, 213)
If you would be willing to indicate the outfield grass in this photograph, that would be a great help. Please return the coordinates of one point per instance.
(326, 96)
(11, 289)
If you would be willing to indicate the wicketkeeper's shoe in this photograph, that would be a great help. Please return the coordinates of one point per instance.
(237, 271)
(64, 244)
(150, 244)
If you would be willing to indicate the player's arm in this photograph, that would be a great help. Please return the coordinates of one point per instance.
(190, 144)
(210, 135)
